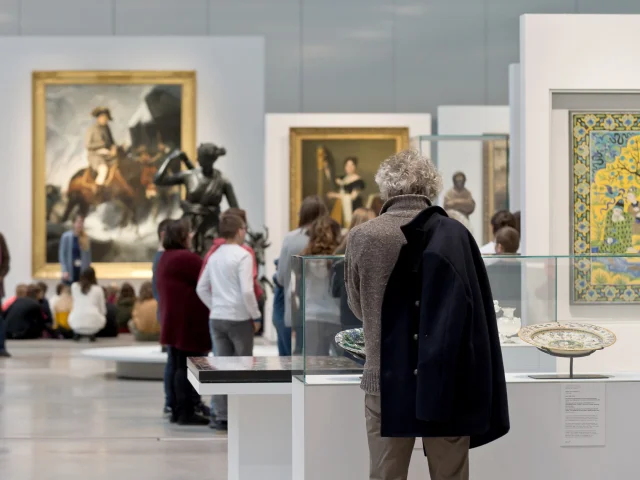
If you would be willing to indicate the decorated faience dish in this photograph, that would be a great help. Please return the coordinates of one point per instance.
(352, 341)
(567, 338)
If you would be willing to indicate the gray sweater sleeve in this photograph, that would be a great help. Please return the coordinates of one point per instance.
(352, 277)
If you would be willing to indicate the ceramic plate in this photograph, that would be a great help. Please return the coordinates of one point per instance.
(567, 338)
(352, 341)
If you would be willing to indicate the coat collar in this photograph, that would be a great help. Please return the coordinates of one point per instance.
(405, 204)
(418, 232)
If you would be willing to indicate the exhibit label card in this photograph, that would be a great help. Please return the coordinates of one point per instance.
(583, 414)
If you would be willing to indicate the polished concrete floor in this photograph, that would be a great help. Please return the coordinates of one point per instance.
(63, 416)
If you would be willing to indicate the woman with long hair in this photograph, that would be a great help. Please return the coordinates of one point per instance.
(184, 320)
(88, 313)
(321, 309)
(294, 243)
(75, 251)
(338, 288)
(360, 216)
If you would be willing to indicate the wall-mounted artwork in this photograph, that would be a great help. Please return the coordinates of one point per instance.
(98, 139)
(340, 164)
(495, 175)
(606, 211)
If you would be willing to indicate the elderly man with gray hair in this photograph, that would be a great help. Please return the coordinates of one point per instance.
(416, 279)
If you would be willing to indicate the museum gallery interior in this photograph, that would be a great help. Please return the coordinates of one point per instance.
(299, 240)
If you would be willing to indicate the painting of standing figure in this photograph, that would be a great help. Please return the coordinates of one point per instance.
(339, 165)
(606, 211)
(98, 140)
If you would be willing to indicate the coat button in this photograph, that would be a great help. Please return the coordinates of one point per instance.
(417, 303)
(415, 372)
(415, 336)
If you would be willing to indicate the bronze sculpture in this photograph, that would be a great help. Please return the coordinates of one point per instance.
(459, 198)
(205, 185)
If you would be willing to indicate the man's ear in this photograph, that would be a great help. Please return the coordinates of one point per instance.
(499, 249)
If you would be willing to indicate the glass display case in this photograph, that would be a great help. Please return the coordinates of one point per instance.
(527, 290)
(475, 171)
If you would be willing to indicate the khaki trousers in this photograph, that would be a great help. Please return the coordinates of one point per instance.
(389, 458)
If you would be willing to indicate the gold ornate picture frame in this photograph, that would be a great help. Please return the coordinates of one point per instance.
(317, 156)
(62, 101)
(495, 185)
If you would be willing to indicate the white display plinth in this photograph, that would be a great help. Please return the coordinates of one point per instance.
(329, 435)
(259, 423)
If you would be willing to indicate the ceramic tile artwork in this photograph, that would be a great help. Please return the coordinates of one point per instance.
(567, 337)
(606, 211)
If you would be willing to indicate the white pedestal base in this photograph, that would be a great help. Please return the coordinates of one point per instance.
(259, 436)
(329, 436)
(259, 422)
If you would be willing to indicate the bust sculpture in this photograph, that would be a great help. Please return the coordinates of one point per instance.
(206, 187)
(459, 198)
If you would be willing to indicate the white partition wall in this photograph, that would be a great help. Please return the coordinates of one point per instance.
(559, 53)
(276, 164)
(229, 109)
(515, 177)
(467, 156)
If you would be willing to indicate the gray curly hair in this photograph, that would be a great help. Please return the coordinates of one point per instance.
(408, 173)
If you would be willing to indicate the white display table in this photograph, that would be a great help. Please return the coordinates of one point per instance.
(329, 436)
(259, 415)
(259, 423)
(147, 361)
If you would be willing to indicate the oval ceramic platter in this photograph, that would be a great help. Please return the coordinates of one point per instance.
(352, 341)
(567, 338)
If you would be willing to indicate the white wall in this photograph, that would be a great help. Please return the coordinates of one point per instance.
(515, 177)
(466, 155)
(277, 158)
(230, 111)
(553, 52)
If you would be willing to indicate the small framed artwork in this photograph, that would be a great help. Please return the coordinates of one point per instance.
(339, 165)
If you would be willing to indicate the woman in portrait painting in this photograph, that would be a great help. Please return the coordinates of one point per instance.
(349, 188)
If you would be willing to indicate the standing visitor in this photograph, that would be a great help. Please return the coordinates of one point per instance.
(88, 313)
(347, 319)
(277, 316)
(74, 252)
(184, 319)
(321, 308)
(168, 368)
(294, 243)
(416, 279)
(226, 287)
(4, 270)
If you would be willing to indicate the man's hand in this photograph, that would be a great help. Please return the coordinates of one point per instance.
(257, 324)
(65, 275)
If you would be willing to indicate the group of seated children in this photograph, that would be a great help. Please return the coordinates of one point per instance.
(83, 309)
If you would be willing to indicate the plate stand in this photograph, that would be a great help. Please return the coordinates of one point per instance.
(571, 376)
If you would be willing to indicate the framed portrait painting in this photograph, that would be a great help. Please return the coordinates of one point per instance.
(605, 148)
(339, 165)
(98, 140)
(495, 173)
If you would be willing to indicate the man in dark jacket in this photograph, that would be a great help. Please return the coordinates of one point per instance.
(4, 270)
(433, 361)
(25, 318)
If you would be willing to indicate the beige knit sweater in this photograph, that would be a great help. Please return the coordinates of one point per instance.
(372, 252)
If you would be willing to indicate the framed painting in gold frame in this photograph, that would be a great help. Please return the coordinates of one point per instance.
(495, 175)
(137, 117)
(339, 165)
